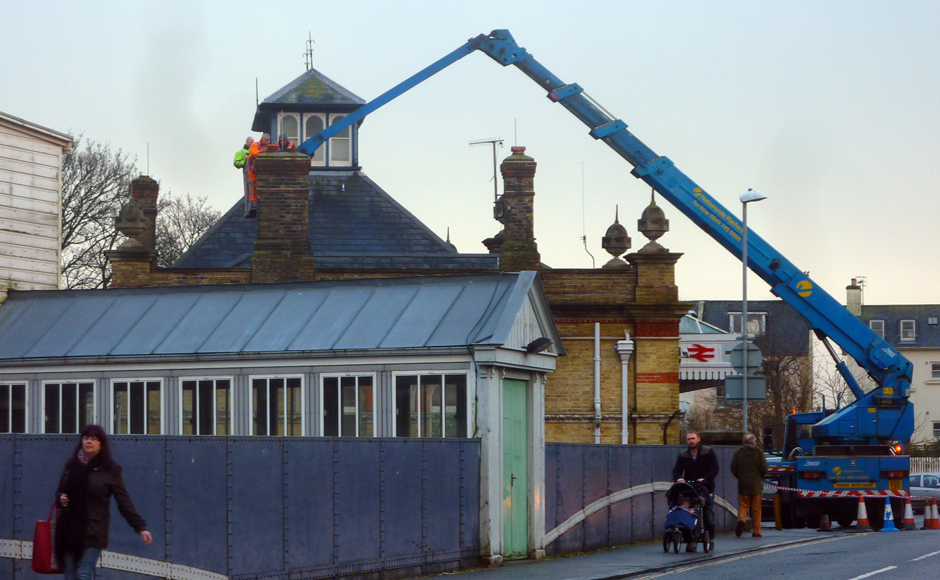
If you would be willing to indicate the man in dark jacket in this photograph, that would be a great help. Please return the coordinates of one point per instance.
(750, 467)
(699, 464)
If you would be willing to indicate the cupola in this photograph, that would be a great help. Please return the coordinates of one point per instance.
(306, 106)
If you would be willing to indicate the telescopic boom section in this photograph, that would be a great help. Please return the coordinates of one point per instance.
(825, 315)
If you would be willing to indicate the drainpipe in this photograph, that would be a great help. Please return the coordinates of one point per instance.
(625, 349)
(597, 382)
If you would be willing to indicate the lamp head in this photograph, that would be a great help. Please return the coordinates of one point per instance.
(752, 195)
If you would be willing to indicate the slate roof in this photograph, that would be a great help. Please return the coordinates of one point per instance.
(786, 332)
(348, 315)
(353, 224)
(926, 335)
(313, 88)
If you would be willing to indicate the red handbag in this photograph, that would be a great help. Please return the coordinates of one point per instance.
(44, 561)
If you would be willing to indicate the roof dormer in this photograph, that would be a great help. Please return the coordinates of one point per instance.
(306, 106)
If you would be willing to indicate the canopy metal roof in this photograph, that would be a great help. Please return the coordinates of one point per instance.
(391, 313)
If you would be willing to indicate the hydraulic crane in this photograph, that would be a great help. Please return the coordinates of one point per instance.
(863, 432)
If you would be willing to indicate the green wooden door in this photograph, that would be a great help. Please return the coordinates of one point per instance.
(515, 470)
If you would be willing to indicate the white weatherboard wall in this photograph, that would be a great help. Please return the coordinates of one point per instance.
(30, 204)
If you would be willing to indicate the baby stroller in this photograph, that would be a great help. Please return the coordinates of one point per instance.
(684, 524)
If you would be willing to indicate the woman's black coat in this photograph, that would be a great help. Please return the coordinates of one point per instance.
(103, 482)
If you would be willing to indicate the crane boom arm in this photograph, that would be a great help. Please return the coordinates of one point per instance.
(826, 316)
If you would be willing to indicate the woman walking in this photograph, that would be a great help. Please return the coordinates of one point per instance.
(90, 478)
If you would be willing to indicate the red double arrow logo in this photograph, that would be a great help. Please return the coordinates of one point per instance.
(701, 353)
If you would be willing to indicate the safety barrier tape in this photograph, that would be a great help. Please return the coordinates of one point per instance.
(780, 469)
(846, 493)
(22, 549)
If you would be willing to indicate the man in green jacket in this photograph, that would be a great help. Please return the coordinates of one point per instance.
(241, 156)
(749, 466)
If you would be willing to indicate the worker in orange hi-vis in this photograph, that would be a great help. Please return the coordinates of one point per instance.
(256, 148)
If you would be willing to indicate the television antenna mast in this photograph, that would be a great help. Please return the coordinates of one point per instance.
(494, 142)
(308, 54)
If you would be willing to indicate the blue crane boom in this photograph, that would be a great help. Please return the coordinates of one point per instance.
(882, 414)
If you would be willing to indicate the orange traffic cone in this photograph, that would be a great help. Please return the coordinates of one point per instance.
(909, 516)
(824, 525)
(935, 521)
(862, 524)
(928, 515)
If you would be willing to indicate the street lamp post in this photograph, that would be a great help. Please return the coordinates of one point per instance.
(750, 196)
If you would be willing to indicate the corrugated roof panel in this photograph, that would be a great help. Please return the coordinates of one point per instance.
(69, 329)
(382, 311)
(154, 326)
(25, 330)
(111, 327)
(461, 324)
(287, 320)
(197, 325)
(419, 320)
(332, 318)
(242, 322)
(251, 318)
(487, 330)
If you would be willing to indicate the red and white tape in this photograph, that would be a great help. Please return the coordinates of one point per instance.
(846, 493)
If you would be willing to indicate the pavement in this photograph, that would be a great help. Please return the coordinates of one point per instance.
(639, 559)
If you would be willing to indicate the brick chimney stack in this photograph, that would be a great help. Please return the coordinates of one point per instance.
(144, 192)
(853, 297)
(282, 250)
(519, 250)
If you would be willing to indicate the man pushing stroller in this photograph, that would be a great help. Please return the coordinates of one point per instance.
(699, 464)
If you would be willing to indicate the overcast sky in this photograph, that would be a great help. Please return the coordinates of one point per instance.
(830, 108)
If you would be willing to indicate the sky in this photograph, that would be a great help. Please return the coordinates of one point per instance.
(829, 108)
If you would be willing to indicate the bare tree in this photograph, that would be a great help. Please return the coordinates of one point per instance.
(180, 222)
(95, 183)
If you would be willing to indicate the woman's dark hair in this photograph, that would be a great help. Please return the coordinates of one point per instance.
(104, 456)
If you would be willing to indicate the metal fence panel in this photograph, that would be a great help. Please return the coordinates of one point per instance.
(7, 500)
(196, 503)
(620, 513)
(402, 499)
(38, 461)
(728, 486)
(470, 499)
(256, 489)
(664, 459)
(575, 468)
(552, 475)
(273, 508)
(146, 484)
(6, 486)
(570, 495)
(641, 473)
(308, 476)
(595, 487)
(356, 480)
(441, 474)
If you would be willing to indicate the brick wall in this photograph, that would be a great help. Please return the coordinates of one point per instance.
(641, 299)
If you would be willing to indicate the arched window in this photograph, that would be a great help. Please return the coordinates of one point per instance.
(313, 124)
(289, 125)
(340, 144)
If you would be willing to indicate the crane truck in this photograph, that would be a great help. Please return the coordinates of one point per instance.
(830, 458)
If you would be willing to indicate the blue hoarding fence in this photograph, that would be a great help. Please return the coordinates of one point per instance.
(263, 507)
(608, 495)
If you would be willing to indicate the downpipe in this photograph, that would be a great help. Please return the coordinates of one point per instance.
(597, 382)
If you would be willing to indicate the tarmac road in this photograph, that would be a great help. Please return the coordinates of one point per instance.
(779, 554)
